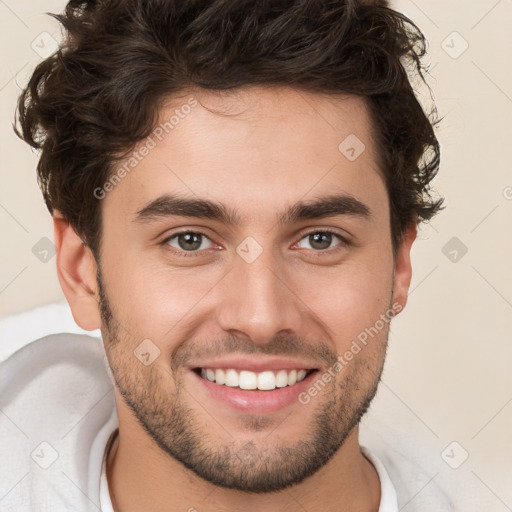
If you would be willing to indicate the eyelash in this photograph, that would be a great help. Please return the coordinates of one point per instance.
(187, 254)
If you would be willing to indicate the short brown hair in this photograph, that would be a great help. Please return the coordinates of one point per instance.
(99, 94)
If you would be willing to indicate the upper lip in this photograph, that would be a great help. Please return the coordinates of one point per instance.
(256, 364)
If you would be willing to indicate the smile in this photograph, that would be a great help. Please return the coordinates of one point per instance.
(267, 380)
(254, 392)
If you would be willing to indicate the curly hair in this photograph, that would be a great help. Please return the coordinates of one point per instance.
(99, 94)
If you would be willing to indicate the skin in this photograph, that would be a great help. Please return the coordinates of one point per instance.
(276, 147)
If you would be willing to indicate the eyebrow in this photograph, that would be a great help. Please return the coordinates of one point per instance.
(327, 206)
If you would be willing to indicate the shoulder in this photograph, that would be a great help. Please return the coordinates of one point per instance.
(54, 348)
(57, 399)
(61, 363)
(411, 462)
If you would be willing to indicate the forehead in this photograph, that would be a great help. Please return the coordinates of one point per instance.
(254, 148)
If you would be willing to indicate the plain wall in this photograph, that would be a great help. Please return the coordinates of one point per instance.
(451, 349)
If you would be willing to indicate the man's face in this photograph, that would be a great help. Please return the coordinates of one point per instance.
(267, 293)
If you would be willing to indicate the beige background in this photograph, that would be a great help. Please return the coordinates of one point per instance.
(450, 353)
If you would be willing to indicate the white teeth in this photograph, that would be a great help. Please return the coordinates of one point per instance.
(247, 380)
(231, 378)
(292, 377)
(265, 381)
(281, 379)
(220, 376)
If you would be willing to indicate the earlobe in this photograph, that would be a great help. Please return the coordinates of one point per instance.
(76, 270)
(403, 268)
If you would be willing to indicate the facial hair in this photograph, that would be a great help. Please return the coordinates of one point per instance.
(247, 466)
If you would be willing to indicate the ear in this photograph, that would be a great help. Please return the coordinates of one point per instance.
(403, 268)
(76, 269)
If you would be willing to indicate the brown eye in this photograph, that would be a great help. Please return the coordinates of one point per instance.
(189, 241)
(320, 240)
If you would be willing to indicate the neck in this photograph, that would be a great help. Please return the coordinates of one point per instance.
(143, 477)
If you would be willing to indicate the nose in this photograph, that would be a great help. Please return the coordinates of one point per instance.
(257, 300)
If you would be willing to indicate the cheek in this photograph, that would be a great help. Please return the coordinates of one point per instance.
(349, 299)
(152, 299)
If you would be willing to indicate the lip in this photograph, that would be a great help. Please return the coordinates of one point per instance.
(256, 401)
(256, 365)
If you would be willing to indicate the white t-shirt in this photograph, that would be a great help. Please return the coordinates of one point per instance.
(57, 400)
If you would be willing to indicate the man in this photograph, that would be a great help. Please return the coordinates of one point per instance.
(235, 189)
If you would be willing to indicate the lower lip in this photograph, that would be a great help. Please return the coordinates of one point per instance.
(256, 401)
